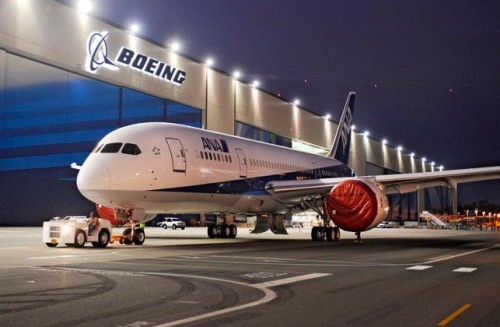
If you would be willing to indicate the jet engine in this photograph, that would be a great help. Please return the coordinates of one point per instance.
(357, 205)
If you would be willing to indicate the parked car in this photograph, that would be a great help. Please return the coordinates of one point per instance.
(172, 222)
(384, 224)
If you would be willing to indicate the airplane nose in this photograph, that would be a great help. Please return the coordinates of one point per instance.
(93, 175)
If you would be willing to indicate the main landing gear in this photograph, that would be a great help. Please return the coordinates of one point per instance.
(329, 234)
(222, 231)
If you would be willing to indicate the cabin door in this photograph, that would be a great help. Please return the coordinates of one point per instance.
(178, 155)
(243, 163)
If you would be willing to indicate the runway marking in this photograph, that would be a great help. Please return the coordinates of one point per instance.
(420, 268)
(455, 314)
(462, 254)
(68, 256)
(290, 280)
(285, 262)
(465, 270)
(269, 294)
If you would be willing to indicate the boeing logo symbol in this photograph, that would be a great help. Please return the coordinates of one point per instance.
(98, 52)
(97, 56)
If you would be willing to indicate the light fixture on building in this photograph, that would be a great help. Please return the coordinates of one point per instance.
(424, 159)
(296, 102)
(384, 141)
(433, 163)
(236, 74)
(327, 116)
(412, 154)
(84, 6)
(209, 62)
(353, 127)
(441, 168)
(256, 83)
(175, 46)
(134, 28)
(366, 133)
(400, 148)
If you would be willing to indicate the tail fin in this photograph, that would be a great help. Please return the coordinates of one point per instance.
(342, 140)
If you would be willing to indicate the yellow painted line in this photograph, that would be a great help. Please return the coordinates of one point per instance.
(455, 314)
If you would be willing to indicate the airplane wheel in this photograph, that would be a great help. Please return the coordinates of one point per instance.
(315, 233)
(329, 234)
(225, 231)
(211, 231)
(51, 245)
(336, 234)
(126, 236)
(80, 238)
(139, 236)
(233, 231)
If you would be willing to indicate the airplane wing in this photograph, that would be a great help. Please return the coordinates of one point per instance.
(392, 184)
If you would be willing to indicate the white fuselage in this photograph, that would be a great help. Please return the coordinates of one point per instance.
(169, 168)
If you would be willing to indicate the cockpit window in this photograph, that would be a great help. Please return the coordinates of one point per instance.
(132, 149)
(97, 148)
(111, 148)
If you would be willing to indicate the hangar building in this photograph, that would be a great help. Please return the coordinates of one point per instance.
(68, 79)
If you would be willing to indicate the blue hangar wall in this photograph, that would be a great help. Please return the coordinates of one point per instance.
(50, 118)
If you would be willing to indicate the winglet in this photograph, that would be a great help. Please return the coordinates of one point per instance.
(342, 140)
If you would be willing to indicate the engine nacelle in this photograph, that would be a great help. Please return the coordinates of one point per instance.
(357, 205)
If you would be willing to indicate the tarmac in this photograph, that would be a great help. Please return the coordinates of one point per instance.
(396, 277)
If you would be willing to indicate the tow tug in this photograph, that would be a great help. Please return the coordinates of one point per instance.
(74, 232)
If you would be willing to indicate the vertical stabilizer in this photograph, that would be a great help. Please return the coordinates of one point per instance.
(342, 139)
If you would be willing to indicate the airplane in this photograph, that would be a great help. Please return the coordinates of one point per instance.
(150, 168)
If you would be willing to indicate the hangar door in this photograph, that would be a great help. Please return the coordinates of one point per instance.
(178, 155)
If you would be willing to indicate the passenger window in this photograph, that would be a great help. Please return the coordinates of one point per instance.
(131, 149)
(111, 148)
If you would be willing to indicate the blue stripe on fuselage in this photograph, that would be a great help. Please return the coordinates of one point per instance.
(256, 185)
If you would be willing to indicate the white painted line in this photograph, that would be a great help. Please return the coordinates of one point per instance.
(420, 268)
(269, 294)
(463, 254)
(289, 280)
(465, 270)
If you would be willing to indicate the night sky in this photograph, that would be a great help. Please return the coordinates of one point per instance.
(427, 73)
